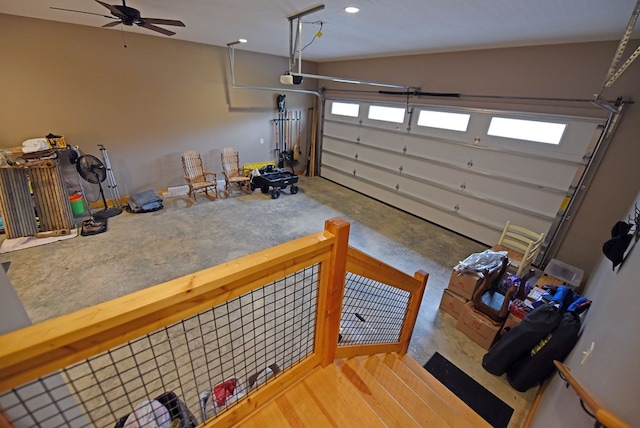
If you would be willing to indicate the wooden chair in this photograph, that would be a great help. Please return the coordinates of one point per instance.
(233, 174)
(197, 178)
(487, 297)
(522, 246)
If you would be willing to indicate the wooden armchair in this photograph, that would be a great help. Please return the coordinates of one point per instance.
(233, 174)
(197, 178)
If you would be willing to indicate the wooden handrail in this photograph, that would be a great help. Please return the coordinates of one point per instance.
(601, 414)
(369, 267)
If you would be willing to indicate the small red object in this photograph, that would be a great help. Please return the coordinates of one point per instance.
(223, 391)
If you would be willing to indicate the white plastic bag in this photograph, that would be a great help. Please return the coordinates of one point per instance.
(478, 262)
(149, 414)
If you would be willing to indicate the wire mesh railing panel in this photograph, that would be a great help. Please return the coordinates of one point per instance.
(183, 366)
(372, 312)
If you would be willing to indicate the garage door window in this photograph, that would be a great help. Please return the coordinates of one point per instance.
(386, 114)
(444, 120)
(528, 130)
(345, 109)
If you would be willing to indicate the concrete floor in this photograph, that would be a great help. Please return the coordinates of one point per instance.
(141, 250)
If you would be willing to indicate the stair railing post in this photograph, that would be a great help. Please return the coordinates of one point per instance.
(412, 311)
(331, 292)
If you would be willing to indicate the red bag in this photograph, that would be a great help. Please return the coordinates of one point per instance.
(225, 390)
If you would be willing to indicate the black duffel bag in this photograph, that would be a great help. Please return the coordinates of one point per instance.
(520, 339)
(537, 365)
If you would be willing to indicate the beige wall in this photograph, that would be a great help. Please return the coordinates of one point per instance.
(611, 372)
(145, 103)
(574, 71)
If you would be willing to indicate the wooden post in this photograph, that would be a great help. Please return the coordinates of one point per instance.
(331, 292)
(412, 311)
(314, 138)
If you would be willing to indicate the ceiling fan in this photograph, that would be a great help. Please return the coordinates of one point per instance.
(123, 14)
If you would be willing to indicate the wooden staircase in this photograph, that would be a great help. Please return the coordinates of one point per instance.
(330, 384)
(377, 390)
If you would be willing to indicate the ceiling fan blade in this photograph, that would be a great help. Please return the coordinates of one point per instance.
(114, 10)
(81, 11)
(158, 29)
(112, 24)
(163, 21)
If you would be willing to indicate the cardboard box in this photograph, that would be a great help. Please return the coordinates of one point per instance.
(452, 303)
(464, 285)
(477, 327)
(520, 308)
(536, 294)
(512, 321)
(57, 142)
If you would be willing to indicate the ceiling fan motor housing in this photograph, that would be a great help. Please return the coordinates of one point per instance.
(129, 15)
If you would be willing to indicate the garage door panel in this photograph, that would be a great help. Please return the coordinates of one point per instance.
(441, 193)
(386, 170)
(484, 228)
(345, 131)
(575, 142)
(489, 187)
(339, 147)
(545, 172)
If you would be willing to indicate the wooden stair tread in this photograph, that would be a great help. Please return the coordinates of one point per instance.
(446, 409)
(323, 398)
(413, 404)
(467, 412)
(388, 409)
(373, 391)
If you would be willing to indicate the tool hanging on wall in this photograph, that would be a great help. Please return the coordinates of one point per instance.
(280, 101)
(285, 134)
(297, 149)
(288, 134)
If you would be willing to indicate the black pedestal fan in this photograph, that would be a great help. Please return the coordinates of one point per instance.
(93, 170)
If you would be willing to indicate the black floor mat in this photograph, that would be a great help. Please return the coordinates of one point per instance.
(94, 226)
(481, 400)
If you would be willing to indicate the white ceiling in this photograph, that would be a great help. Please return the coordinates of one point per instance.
(382, 28)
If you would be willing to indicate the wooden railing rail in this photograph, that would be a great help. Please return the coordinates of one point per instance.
(602, 415)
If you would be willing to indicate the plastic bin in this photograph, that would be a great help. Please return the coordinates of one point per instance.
(77, 203)
(571, 275)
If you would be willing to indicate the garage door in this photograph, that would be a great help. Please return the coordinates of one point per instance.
(469, 170)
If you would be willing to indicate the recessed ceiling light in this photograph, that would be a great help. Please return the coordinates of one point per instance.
(352, 9)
